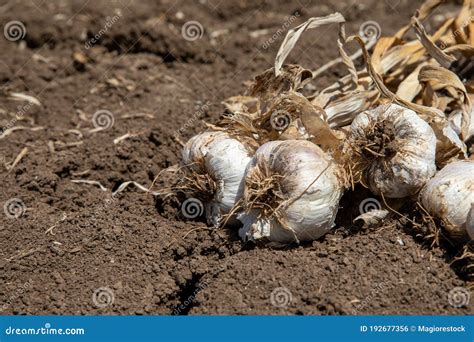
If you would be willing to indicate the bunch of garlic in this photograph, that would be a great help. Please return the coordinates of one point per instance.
(292, 192)
(449, 196)
(215, 164)
(391, 150)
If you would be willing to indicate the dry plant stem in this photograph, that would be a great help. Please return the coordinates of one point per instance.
(18, 158)
(334, 62)
(19, 128)
(91, 182)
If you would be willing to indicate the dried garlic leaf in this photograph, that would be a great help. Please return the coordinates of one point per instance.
(462, 20)
(266, 85)
(342, 111)
(434, 51)
(440, 78)
(382, 47)
(294, 34)
(238, 104)
(448, 145)
(410, 87)
(426, 112)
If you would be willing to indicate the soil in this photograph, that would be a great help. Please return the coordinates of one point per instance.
(77, 250)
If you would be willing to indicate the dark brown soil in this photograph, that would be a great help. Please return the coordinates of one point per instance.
(150, 263)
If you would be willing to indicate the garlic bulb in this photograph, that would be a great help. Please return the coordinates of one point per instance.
(449, 196)
(217, 162)
(292, 192)
(392, 150)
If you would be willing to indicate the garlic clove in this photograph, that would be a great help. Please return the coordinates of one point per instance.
(449, 196)
(292, 192)
(392, 150)
(216, 162)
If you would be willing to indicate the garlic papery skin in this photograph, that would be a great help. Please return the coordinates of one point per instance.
(292, 192)
(455, 119)
(470, 222)
(216, 162)
(391, 150)
(449, 196)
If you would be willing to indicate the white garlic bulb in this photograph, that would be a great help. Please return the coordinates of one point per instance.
(217, 162)
(449, 196)
(292, 192)
(393, 150)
